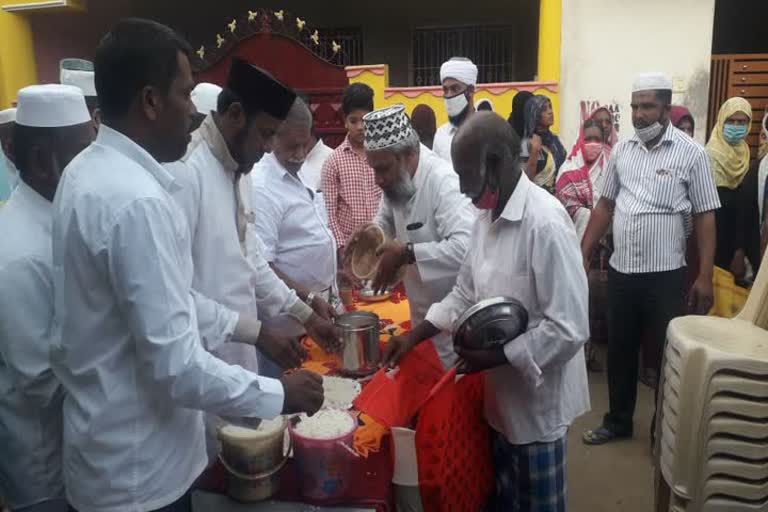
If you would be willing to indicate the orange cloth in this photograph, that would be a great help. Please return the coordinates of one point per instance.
(368, 436)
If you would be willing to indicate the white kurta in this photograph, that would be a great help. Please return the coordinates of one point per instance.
(443, 140)
(438, 221)
(312, 170)
(129, 355)
(530, 253)
(30, 395)
(226, 269)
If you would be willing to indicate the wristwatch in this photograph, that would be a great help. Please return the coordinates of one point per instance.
(310, 298)
(410, 255)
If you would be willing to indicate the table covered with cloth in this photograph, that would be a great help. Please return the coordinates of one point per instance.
(372, 488)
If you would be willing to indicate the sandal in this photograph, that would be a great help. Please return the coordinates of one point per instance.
(600, 436)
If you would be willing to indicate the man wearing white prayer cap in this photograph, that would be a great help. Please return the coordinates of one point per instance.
(658, 188)
(8, 175)
(459, 78)
(79, 73)
(205, 96)
(423, 213)
(52, 126)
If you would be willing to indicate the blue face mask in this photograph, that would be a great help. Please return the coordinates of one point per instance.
(735, 133)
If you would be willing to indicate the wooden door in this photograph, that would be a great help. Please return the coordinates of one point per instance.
(744, 75)
(289, 54)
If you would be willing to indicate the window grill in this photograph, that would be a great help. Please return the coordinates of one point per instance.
(490, 47)
(351, 41)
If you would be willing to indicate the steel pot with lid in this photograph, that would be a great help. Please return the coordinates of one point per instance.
(490, 322)
(360, 351)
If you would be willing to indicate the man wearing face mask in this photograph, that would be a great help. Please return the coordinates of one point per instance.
(458, 77)
(523, 246)
(53, 125)
(656, 182)
(8, 173)
(423, 213)
(291, 222)
(214, 194)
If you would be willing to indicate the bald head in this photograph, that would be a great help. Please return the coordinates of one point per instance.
(486, 153)
(299, 116)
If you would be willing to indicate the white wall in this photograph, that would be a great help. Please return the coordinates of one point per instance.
(606, 42)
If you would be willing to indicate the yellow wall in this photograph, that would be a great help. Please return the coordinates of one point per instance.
(17, 56)
(502, 100)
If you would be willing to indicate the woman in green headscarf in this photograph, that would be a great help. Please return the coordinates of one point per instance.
(729, 153)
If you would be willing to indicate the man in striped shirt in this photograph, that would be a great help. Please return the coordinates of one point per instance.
(658, 187)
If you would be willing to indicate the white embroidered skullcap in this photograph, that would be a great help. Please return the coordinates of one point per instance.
(654, 81)
(83, 80)
(386, 127)
(51, 106)
(8, 116)
(205, 96)
(460, 69)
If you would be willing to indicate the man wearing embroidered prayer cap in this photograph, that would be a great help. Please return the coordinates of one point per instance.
(8, 174)
(134, 351)
(459, 78)
(79, 73)
(658, 189)
(229, 263)
(52, 126)
(205, 96)
(423, 213)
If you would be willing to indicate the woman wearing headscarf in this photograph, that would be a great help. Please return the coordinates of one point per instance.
(541, 150)
(603, 116)
(578, 188)
(682, 119)
(730, 156)
(517, 116)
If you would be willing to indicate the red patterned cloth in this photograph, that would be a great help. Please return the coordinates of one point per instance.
(350, 192)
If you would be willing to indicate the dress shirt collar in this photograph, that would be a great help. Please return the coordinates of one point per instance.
(211, 135)
(515, 207)
(113, 139)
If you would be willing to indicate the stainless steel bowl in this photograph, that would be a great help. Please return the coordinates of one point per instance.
(360, 342)
(490, 322)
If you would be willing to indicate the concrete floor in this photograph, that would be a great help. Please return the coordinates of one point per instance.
(617, 476)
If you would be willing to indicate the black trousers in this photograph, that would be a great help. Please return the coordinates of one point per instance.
(636, 303)
(183, 504)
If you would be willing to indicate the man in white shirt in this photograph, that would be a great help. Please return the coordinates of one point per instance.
(458, 77)
(423, 212)
(291, 221)
(214, 194)
(523, 246)
(312, 170)
(130, 355)
(53, 125)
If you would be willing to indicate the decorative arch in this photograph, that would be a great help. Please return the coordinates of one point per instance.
(292, 51)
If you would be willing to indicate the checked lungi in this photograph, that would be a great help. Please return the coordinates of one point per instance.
(529, 477)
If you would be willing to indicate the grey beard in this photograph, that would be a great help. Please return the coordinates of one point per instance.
(401, 193)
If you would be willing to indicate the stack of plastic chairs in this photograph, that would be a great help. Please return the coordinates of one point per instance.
(713, 421)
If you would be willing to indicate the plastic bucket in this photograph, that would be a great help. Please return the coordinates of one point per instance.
(253, 460)
(325, 465)
(405, 478)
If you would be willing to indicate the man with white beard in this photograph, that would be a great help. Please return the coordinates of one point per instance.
(423, 212)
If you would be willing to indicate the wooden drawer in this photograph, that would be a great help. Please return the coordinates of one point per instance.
(748, 91)
(749, 79)
(749, 66)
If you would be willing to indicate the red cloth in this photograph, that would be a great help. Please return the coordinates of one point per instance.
(394, 397)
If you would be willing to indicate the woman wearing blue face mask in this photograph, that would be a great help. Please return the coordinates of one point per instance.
(730, 157)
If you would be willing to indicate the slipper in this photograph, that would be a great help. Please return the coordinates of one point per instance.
(600, 436)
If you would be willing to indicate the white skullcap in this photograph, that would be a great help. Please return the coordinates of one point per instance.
(83, 80)
(51, 106)
(205, 96)
(8, 116)
(652, 82)
(459, 69)
(386, 127)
